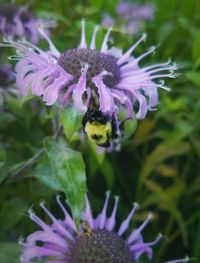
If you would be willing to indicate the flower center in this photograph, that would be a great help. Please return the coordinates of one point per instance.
(73, 60)
(99, 246)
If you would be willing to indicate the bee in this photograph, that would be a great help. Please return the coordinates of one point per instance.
(100, 128)
(87, 231)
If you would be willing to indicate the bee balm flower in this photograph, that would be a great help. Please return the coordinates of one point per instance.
(104, 79)
(100, 81)
(97, 240)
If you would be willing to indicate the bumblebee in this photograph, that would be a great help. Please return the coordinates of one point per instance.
(87, 231)
(100, 128)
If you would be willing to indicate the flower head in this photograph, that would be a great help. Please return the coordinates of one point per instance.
(102, 80)
(19, 22)
(96, 241)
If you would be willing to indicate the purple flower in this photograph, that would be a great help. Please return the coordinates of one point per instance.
(101, 82)
(18, 22)
(89, 78)
(96, 241)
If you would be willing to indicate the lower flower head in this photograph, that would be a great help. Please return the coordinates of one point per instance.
(18, 22)
(104, 80)
(97, 240)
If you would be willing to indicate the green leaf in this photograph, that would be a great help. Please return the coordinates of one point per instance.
(69, 169)
(71, 120)
(10, 252)
(43, 173)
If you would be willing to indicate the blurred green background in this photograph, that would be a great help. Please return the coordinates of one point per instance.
(159, 166)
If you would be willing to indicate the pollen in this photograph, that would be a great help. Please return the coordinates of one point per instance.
(73, 60)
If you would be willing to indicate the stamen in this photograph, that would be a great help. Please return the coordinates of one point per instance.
(83, 43)
(92, 45)
(128, 53)
(88, 213)
(102, 217)
(125, 224)
(135, 61)
(140, 249)
(57, 225)
(68, 218)
(104, 47)
(133, 236)
(52, 47)
(111, 221)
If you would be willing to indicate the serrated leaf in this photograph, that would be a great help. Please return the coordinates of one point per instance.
(71, 121)
(69, 169)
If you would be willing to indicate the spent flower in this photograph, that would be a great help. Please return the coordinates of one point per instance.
(97, 240)
(99, 83)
